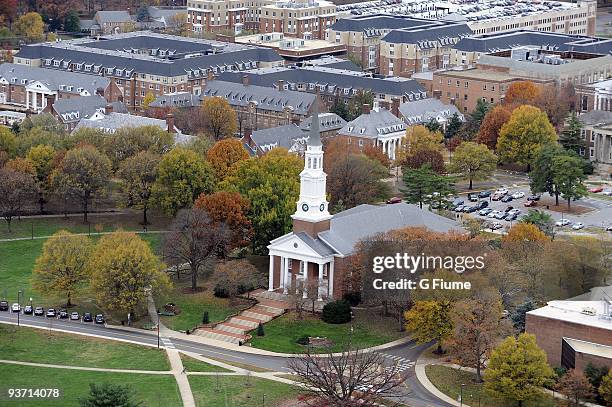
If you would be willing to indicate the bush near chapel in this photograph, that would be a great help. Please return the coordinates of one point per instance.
(336, 312)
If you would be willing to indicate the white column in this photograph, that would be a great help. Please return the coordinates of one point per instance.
(27, 99)
(271, 274)
(320, 287)
(330, 280)
(384, 146)
(34, 101)
(286, 276)
(281, 283)
(305, 280)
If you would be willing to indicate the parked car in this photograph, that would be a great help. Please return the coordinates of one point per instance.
(515, 211)
(502, 191)
(63, 314)
(4, 305)
(457, 202)
(483, 204)
(99, 319)
(508, 208)
(496, 197)
(607, 192)
(87, 317)
(510, 216)
(533, 198)
(28, 310)
(39, 311)
(530, 204)
(459, 208)
(596, 190)
(562, 222)
(51, 313)
(473, 197)
(484, 194)
(485, 211)
(74, 316)
(577, 225)
(496, 225)
(492, 214)
(15, 307)
(470, 209)
(506, 198)
(609, 228)
(518, 195)
(394, 200)
(500, 215)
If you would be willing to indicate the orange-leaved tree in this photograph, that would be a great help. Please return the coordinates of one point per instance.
(491, 125)
(224, 156)
(231, 209)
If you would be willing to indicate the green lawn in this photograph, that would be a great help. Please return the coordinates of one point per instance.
(193, 305)
(369, 330)
(43, 346)
(153, 390)
(194, 365)
(449, 381)
(222, 391)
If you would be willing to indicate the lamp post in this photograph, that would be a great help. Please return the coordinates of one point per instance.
(461, 395)
(158, 329)
(19, 306)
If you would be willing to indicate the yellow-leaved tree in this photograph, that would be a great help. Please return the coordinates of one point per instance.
(219, 118)
(123, 267)
(30, 26)
(62, 266)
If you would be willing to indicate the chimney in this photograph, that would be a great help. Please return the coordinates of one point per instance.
(395, 104)
(437, 94)
(108, 109)
(366, 108)
(50, 100)
(170, 122)
(210, 75)
(245, 80)
(384, 104)
(281, 85)
(246, 137)
(100, 92)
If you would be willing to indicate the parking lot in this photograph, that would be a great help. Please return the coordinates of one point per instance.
(597, 214)
(50, 313)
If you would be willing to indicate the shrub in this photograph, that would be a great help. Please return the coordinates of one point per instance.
(220, 291)
(336, 312)
(353, 298)
(205, 318)
(260, 330)
(303, 340)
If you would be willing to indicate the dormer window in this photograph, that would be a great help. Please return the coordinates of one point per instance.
(350, 128)
(56, 63)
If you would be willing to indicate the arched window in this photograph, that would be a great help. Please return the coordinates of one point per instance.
(309, 162)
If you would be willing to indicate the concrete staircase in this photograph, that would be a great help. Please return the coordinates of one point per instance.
(236, 329)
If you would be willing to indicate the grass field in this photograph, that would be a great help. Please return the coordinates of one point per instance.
(193, 365)
(222, 391)
(369, 330)
(153, 390)
(449, 381)
(42, 346)
(193, 305)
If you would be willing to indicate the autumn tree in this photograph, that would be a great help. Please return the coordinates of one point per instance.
(376, 153)
(8, 9)
(525, 232)
(237, 277)
(571, 136)
(123, 268)
(219, 118)
(523, 136)
(568, 177)
(575, 386)
(21, 164)
(517, 370)
(42, 158)
(605, 389)
(422, 157)
(473, 161)
(138, 174)
(478, 325)
(231, 209)
(85, 173)
(148, 99)
(8, 142)
(541, 219)
(181, 177)
(522, 93)
(491, 125)
(16, 189)
(271, 185)
(420, 138)
(556, 101)
(30, 26)
(193, 239)
(129, 141)
(430, 321)
(62, 266)
(224, 156)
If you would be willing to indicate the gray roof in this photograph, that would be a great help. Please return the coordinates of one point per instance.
(82, 107)
(112, 16)
(422, 111)
(54, 80)
(317, 245)
(333, 62)
(166, 55)
(520, 38)
(374, 124)
(327, 122)
(596, 117)
(595, 294)
(349, 227)
(180, 99)
(378, 22)
(445, 35)
(267, 98)
(115, 121)
(280, 136)
(331, 79)
(86, 24)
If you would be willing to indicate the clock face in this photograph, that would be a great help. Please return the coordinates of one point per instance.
(305, 207)
(322, 207)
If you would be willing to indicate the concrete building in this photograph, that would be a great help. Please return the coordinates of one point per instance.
(574, 333)
(306, 19)
(30, 89)
(293, 49)
(597, 137)
(142, 63)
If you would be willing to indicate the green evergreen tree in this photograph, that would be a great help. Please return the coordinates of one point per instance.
(260, 330)
(72, 23)
(571, 136)
(422, 182)
(109, 395)
(568, 176)
(433, 125)
(205, 318)
(453, 126)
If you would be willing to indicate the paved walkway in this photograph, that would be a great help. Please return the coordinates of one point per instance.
(91, 369)
(424, 380)
(181, 377)
(138, 232)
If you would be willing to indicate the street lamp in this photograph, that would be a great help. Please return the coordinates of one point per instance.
(461, 395)
(158, 329)
(19, 305)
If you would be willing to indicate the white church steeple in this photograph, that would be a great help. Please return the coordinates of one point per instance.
(312, 205)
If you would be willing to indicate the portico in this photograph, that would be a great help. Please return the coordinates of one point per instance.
(37, 95)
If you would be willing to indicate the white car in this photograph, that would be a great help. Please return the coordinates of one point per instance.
(514, 211)
(518, 195)
(492, 214)
(562, 222)
(74, 316)
(496, 225)
(15, 307)
(607, 192)
(577, 225)
(502, 191)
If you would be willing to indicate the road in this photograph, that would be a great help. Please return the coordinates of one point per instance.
(405, 355)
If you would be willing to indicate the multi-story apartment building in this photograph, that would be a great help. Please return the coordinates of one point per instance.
(298, 18)
(597, 139)
(30, 89)
(143, 63)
